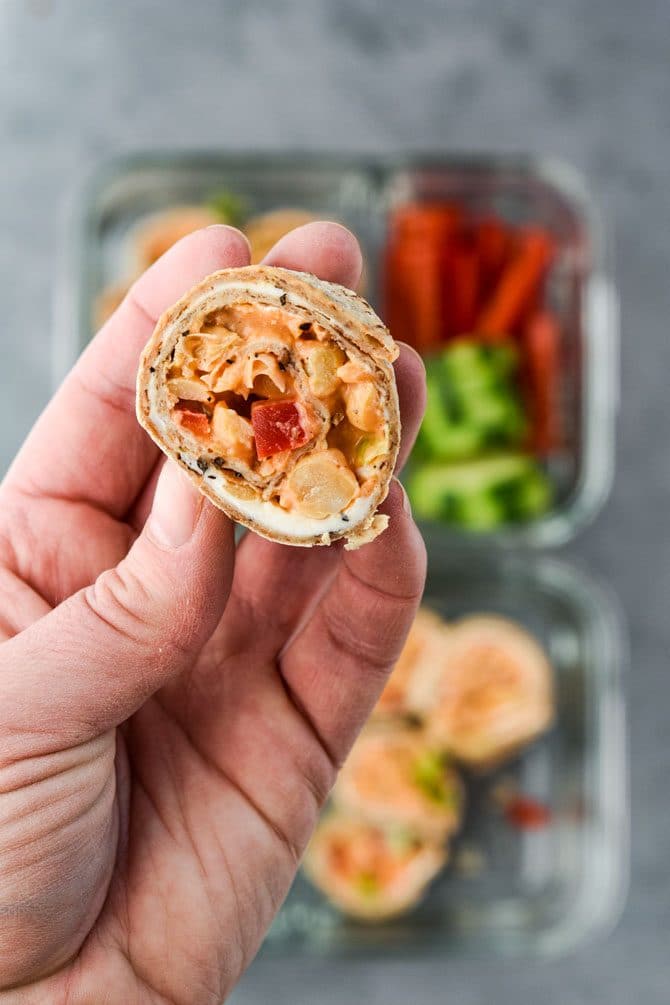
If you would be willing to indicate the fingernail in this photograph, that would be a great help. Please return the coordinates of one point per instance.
(229, 227)
(175, 510)
(406, 347)
(406, 504)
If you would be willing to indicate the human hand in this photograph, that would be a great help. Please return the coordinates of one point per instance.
(173, 710)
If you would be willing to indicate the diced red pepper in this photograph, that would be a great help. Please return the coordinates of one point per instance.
(192, 418)
(526, 813)
(277, 426)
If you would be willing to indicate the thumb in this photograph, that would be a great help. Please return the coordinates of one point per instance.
(91, 662)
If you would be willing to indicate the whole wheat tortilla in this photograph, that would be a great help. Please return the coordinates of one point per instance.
(349, 321)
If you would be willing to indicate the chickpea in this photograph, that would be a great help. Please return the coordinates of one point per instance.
(362, 405)
(322, 363)
(321, 484)
(189, 389)
(233, 433)
(265, 387)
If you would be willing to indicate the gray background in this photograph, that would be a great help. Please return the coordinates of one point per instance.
(82, 79)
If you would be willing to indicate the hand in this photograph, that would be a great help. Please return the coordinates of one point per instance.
(173, 711)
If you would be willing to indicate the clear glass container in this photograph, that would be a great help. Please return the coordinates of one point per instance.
(540, 892)
(123, 191)
(581, 295)
(360, 192)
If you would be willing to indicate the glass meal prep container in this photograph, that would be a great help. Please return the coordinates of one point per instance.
(539, 892)
(362, 193)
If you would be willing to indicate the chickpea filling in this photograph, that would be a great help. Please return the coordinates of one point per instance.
(399, 773)
(271, 396)
(371, 860)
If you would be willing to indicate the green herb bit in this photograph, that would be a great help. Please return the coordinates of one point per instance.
(367, 884)
(230, 208)
(400, 840)
(368, 449)
(430, 774)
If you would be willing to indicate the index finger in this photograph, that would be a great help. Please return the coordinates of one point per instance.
(87, 444)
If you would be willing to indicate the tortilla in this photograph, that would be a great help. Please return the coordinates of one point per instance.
(495, 694)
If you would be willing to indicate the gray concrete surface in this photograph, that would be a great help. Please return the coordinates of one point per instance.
(82, 79)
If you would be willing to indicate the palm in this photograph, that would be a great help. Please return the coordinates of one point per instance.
(195, 810)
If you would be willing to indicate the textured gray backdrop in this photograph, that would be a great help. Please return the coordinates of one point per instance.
(82, 79)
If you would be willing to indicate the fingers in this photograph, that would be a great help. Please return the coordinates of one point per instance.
(410, 375)
(137, 515)
(93, 661)
(336, 667)
(87, 445)
(327, 250)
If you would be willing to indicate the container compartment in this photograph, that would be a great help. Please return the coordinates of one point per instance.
(580, 297)
(125, 191)
(361, 192)
(541, 892)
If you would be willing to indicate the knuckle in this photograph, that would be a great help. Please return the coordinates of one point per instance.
(118, 599)
(364, 638)
(131, 609)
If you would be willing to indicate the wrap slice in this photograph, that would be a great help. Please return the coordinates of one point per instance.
(275, 391)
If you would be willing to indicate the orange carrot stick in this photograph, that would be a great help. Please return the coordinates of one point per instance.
(461, 272)
(413, 285)
(413, 277)
(494, 242)
(425, 221)
(519, 281)
(541, 343)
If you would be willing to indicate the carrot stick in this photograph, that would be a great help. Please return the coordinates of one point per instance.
(395, 305)
(461, 272)
(541, 342)
(413, 278)
(413, 294)
(519, 281)
(425, 221)
(493, 243)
